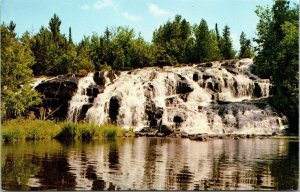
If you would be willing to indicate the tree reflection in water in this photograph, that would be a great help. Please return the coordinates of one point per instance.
(152, 163)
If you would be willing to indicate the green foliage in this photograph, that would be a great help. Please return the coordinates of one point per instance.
(226, 44)
(16, 60)
(120, 49)
(277, 55)
(22, 129)
(246, 50)
(175, 39)
(206, 44)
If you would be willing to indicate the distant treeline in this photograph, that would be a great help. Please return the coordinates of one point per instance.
(49, 52)
(176, 41)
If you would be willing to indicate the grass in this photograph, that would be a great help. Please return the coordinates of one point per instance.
(24, 129)
(21, 129)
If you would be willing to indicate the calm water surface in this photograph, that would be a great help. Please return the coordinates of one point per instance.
(152, 163)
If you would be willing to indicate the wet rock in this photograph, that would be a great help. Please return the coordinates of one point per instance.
(212, 86)
(145, 130)
(91, 99)
(153, 123)
(178, 119)
(98, 185)
(198, 137)
(208, 64)
(160, 134)
(151, 134)
(170, 101)
(92, 91)
(206, 76)
(232, 70)
(114, 105)
(99, 78)
(184, 135)
(183, 87)
(196, 76)
(234, 63)
(165, 129)
(56, 94)
(257, 92)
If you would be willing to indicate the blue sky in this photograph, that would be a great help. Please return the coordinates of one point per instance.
(88, 16)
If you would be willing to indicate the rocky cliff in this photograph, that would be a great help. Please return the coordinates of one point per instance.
(214, 97)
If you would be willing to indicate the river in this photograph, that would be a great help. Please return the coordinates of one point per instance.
(152, 163)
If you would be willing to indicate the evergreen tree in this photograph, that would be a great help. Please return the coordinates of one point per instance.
(206, 44)
(70, 41)
(54, 26)
(226, 44)
(202, 42)
(246, 50)
(218, 36)
(175, 40)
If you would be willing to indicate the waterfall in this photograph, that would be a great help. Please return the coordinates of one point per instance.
(81, 97)
(217, 97)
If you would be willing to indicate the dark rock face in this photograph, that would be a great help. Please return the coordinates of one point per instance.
(99, 78)
(183, 87)
(114, 106)
(257, 90)
(166, 130)
(56, 94)
(92, 91)
(208, 64)
(206, 76)
(196, 77)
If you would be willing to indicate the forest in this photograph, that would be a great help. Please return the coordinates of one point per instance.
(51, 53)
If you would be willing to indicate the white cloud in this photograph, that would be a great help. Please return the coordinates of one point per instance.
(131, 17)
(158, 12)
(103, 4)
(85, 7)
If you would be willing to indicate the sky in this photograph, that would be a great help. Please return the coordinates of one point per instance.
(88, 16)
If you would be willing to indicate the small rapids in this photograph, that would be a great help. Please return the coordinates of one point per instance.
(215, 97)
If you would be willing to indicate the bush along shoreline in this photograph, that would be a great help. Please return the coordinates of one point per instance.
(18, 130)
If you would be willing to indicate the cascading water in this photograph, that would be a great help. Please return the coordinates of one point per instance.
(80, 98)
(203, 98)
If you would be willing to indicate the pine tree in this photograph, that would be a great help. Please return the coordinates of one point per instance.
(226, 44)
(54, 26)
(202, 42)
(70, 41)
(246, 50)
(218, 36)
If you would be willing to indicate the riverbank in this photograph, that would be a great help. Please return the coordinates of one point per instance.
(17, 130)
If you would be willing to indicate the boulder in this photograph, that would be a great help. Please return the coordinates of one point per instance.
(166, 130)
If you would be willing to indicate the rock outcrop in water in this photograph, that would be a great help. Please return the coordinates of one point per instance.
(214, 97)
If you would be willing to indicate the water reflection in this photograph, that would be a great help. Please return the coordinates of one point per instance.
(152, 163)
